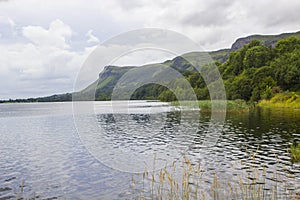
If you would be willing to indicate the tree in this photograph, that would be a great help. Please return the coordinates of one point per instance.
(240, 88)
(256, 56)
(287, 70)
(287, 45)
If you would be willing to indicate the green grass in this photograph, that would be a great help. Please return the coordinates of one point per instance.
(105, 81)
(206, 105)
(282, 100)
(295, 152)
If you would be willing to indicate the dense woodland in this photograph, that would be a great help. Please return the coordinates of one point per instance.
(252, 73)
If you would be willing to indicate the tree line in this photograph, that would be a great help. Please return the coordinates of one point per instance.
(252, 73)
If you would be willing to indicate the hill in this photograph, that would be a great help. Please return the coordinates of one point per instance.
(263, 66)
(267, 40)
(248, 68)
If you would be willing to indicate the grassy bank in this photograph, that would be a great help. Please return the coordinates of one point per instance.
(282, 100)
(206, 105)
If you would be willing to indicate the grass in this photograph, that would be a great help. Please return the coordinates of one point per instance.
(206, 105)
(295, 152)
(23, 195)
(188, 182)
(282, 100)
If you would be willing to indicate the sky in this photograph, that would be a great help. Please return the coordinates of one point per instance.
(43, 44)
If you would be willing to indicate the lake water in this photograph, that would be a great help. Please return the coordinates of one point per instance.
(48, 150)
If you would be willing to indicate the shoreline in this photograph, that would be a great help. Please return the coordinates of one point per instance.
(288, 100)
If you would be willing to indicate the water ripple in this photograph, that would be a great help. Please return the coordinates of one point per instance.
(40, 147)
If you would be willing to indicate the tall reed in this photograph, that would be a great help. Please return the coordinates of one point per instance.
(189, 181)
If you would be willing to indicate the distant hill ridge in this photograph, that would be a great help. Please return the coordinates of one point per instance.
(267, 40)
(111, 74)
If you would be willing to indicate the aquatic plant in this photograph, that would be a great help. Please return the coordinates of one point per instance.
(295, 152)
(206, 105)
(188, 181)
(24, 195)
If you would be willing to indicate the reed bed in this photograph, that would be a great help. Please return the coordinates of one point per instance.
(206, 105)
(295, 152)
(188, 181)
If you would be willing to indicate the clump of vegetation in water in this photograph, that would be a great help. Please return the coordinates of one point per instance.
(206, 105)
(22, 194)
(189, 182)
(295, 152)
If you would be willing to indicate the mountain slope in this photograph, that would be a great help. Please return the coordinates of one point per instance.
(101, 89)
(248, 56)
(267, 40)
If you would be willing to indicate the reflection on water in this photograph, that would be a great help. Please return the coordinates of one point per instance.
(39, 144)
(128, 137)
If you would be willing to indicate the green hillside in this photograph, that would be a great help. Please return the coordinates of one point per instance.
(267, 40)
(250, 69)
(102, 88)
(221, 55)
(254, 72)
(255, 68)
(251, 73)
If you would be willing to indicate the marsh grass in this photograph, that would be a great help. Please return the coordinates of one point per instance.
(282, 100)
(295, 152)
(206, 105)
(189, 182)
(22, 194)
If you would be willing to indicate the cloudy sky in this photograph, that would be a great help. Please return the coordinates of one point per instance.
(43, 43)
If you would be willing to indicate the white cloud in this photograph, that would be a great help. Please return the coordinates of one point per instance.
(213, 24)
(42, 45)
(55, 36)
(42, 66)
(91, 38)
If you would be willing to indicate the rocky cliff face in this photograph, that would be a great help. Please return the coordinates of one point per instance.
(239, 43)
(268, 40)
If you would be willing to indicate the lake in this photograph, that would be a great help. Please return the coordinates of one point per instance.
(48, 150)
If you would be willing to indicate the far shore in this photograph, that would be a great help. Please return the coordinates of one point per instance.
(286, 100)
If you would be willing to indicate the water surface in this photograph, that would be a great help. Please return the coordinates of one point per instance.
(40, 145)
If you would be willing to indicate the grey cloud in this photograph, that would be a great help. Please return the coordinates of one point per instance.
(129, 5)
(273, 14)
(214, 24)
(205, 18)
(281, 17)
(215, 13)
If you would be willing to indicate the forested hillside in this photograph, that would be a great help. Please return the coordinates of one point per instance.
(252, 73)
(257, 70)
